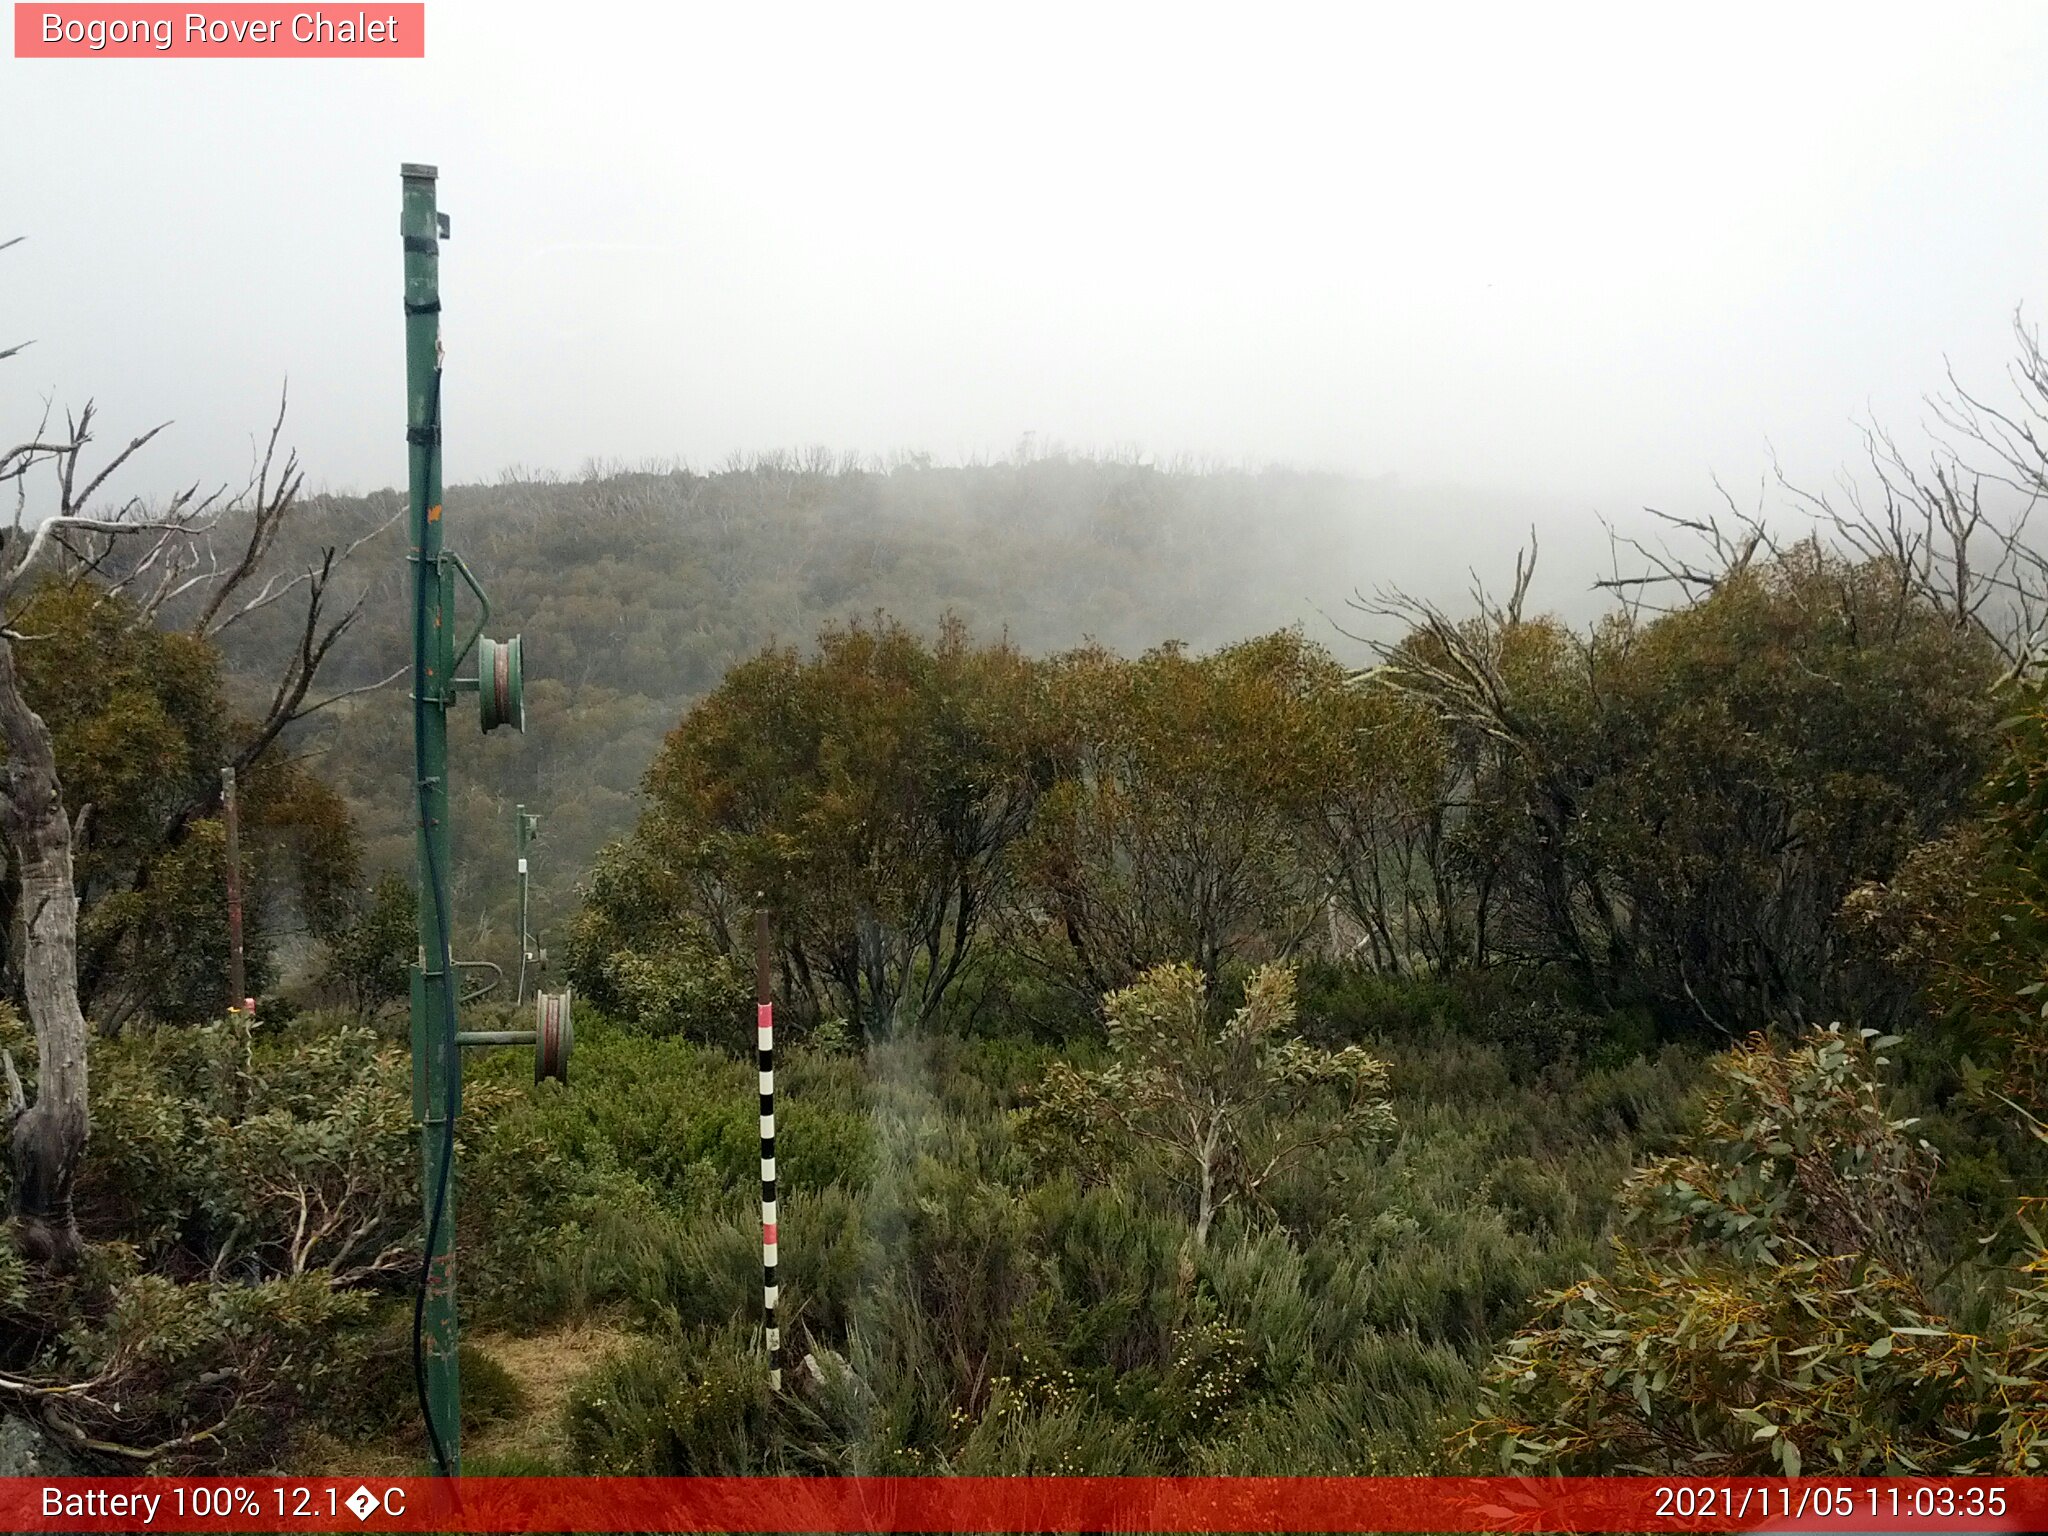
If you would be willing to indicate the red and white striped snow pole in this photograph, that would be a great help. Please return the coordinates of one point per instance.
(764, 1013)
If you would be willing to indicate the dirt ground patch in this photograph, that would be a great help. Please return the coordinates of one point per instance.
(546, 1366)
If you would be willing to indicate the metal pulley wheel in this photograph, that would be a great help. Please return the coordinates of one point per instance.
(500, 693)
(553, 1036)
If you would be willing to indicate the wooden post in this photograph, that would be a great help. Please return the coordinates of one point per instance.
(238, 993)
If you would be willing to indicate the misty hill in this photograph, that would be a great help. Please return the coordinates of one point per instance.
(635, 591)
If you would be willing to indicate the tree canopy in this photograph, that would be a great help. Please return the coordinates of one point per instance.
(142, 726)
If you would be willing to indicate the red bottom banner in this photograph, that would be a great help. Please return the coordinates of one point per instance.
(991, 1504)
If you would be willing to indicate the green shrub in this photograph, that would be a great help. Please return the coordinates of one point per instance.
(1377, 1414)
(1537, 1201)
(256, 1154)
(692, 1405)
(490, 1393)
(690, 990)
(1034, 1428)
(1766, 1312)
(1223, 1102)
(369, 960)
(183, 1374)
(606, 1192)
(374, 1391)
(1113, 1265)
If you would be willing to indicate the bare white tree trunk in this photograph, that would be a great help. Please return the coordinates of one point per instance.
(47, 1138)
(167, 557)
(1205, 1209)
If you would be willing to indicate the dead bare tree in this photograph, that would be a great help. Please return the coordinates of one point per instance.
(1448, 663)
(1919, 542)
(148, 556)
(1952, 524)
(48, 1138)
(1465, 671)
(222, 593)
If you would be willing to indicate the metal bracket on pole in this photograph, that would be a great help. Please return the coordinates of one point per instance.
(476, 994)
(483, 603)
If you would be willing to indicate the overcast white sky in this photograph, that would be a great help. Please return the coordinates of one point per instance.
(1588, 254)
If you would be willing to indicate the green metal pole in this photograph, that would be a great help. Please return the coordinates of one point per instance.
(437, 1067)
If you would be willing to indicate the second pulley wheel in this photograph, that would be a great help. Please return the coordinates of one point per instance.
(554, 1034)
(500, 692)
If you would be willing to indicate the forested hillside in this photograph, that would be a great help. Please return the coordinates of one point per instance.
(1210, 1044)
(636, 590)
(1383, 812)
